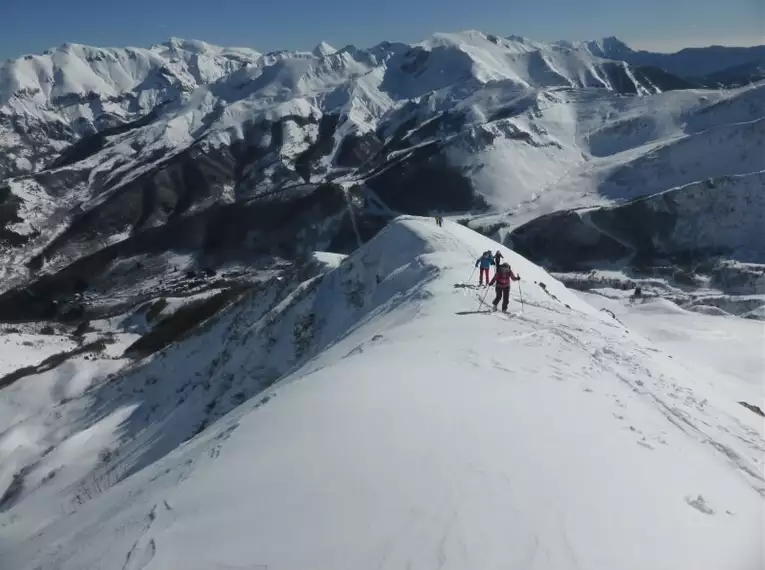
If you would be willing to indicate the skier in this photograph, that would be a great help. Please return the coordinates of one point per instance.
(485, 261)
(502, 279)
(497, 259)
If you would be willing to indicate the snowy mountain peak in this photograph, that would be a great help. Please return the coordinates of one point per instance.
(203, 48)
(195, 46)
(614, 43)
(134, 79)
(525, 42)
(608, 48)
(323, 49)
(69, 47)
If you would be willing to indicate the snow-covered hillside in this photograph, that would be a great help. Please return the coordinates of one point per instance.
(589, 149)
(49, 101)
(73, 71)
(408, 427)
(74, 90)
(716, 217)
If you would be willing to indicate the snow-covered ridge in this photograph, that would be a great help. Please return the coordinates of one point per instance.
(50, 101)
(470, 439)
(74, 70)
(697, 64)
(608, 48)
(62, 76)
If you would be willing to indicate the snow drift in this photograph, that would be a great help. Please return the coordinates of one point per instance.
(412, 428)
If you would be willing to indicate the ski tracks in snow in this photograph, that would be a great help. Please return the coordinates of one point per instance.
(144, 548)
(520, 336)
(693, 416)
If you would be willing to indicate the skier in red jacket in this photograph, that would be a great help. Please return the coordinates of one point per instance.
(502, 279)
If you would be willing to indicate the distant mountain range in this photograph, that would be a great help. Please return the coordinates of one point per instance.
(711, 66)
(119, 153)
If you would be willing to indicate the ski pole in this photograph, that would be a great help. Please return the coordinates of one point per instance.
(482, 300)
(520, 291)
(471, 274)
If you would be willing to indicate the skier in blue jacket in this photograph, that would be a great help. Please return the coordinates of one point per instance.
(485, 262)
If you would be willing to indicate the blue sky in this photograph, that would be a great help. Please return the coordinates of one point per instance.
(31, 26)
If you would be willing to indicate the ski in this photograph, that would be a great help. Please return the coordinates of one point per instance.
(491, 308)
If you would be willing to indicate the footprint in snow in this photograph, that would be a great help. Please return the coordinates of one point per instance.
(226, 433)
(353, 352)
(145, 547)
(140, 558)
(700, 504)
(360, 348)
(264, 400)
